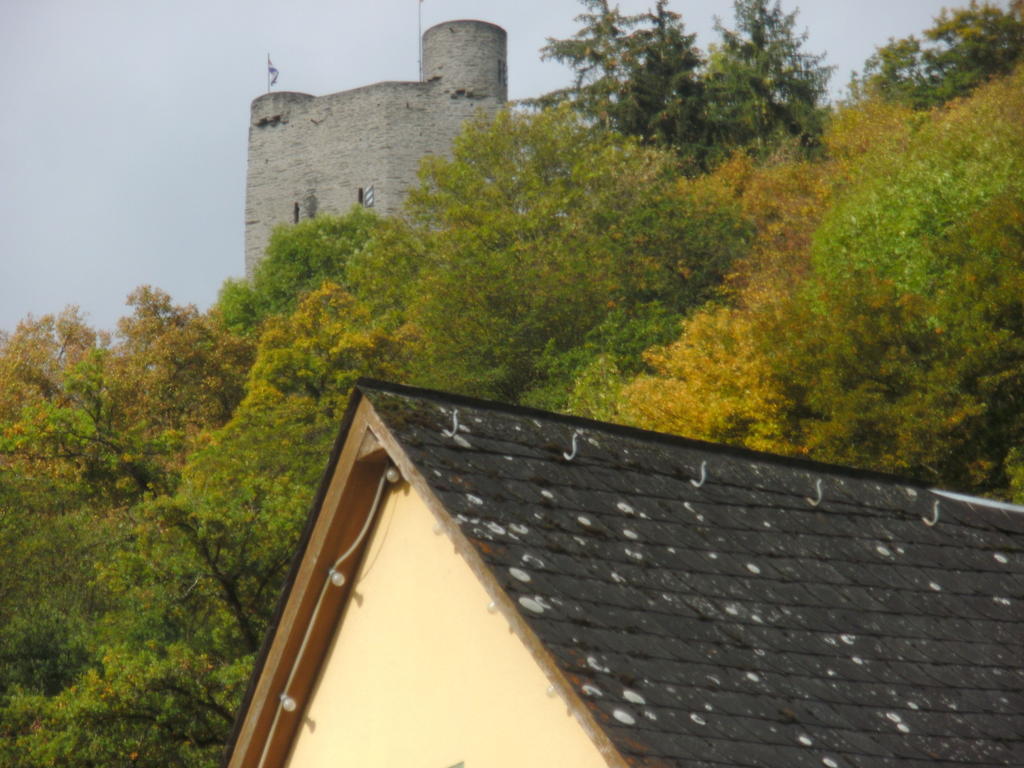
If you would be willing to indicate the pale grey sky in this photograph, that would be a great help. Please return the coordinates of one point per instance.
(124, 122)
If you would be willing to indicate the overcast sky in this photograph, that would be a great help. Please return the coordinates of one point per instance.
(124, 122)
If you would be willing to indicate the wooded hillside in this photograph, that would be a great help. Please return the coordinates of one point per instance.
(686, 241)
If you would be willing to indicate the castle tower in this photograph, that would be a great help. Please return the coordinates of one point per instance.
(324, 154)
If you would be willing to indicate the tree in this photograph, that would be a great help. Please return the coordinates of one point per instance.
(907, 195)
(91, 426)
(762, 87)
(189, 584)
(111, 418)
(902, 348)
(964, 48)
(639, 75)
(299, 259)
(725, 378)
(539, 228)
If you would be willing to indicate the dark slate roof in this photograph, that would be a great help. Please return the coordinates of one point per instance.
(741, 621)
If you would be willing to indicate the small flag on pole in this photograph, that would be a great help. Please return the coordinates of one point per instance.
(271, 73)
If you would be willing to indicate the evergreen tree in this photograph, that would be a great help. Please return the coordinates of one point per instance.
(762, 87)
(639, 75)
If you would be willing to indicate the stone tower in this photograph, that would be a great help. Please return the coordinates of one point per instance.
(324, 154)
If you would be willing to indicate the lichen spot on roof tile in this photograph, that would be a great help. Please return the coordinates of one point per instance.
(520, 574)
(883, 550)
(753, 677)
(531, 605)
(474, 499)
(804, 739)
(624, 507)
(494, 527)
(1001, 558)
(857, 660)
(591, 690)
(1001, 600)
(624, 717)
(828, 762)
(754, 569)
(634, 554)
(584, 521)
(617, 578)
(698, 718)
(630, 534)
(633, 697)
(596, 665)
(519, 528)
(462, 442)
(529, 559)
(935, 586)
(547, 494)
(848, 639)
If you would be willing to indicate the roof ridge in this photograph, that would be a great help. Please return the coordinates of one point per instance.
(365, 384)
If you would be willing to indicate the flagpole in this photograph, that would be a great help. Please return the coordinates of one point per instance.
(419, 36)
(268, 71)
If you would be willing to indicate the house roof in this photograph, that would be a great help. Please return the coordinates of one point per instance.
(713, 606)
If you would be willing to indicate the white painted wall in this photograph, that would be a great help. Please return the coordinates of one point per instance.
(423, 675)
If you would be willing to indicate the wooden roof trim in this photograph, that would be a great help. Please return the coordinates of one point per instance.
(496, 592)
(312, 608)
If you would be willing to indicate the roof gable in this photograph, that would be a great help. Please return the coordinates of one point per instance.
(423, 650)
(715, 606)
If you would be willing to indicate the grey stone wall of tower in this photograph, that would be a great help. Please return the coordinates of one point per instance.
(322, 154)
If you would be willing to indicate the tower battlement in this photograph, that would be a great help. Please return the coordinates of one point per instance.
(324, 154)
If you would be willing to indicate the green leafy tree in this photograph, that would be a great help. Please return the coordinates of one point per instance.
(539, 228)
(299, 259)
(925, 383)
(905, 199)
(763, 87)
(902, 348)
(91, 427)
(190, 592)
(111, 418)
(964, 48)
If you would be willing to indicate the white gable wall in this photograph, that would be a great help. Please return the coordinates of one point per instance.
(422, 674)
